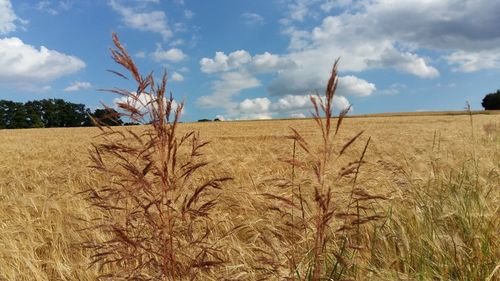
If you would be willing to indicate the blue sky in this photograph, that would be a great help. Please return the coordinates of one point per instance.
(257, 59)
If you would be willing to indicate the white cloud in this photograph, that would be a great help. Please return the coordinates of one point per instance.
(354, 36)
(8, 17)
(238, 70)
(329, 5)
(180, 27)
(176, 76)
(267, 62)
(221, 62)
(76, 86)
(171, 55)
(252, 19)
(229, 85)
(220, 117)
(242, 60)
(22, 62)
(141, 102)
(46, 7)
(293, 102)
(353, 86)
(140, 54)
(298, 10)
(300, 103)
(390, 34)
(294, 106)
(236, 73)
(188, 14)
(154, 21)
(176, 42)
(474, 61)
(406, 62)
(393, 89)
(257, 108)
(53, 7)
(297, 115)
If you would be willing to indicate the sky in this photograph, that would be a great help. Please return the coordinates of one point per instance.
(235, 59)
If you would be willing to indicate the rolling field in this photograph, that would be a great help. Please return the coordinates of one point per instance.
(438, 178)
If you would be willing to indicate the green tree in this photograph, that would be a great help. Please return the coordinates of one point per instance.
(13, 115)
(44, 113)
(107, 116)
(492, 101)
(34, 112)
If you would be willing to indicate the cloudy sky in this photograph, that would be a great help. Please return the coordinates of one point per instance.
(257, 59)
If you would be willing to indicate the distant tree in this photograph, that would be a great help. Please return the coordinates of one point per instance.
(217, 120)
(492, 101)
(204, 120)
(44, 113)
(108, 116)
(20, 117)
(6, 109)
(34, 112)
(13, 115)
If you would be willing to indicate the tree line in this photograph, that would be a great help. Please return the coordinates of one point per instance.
(50, 113)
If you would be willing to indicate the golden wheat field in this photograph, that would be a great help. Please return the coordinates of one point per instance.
(437, 177)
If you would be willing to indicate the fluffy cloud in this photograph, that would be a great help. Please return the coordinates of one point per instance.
(389, 34)
(76, 86)
(154, 21)
(176, 76)
(353, 86)
(298, 10)
(257, 108)
(302, 80)
(329, 5)
(242, 60)
(237, 72)
(7, 17)
(52, 7)
(299, 103)
(229, 85)
(473, 61)
(407, 62)
(140, 102)
(267, 62)
(171, 55)
(295, 106)
(252, 18)
(188, 14)
(222, 62)
(19, 61)
(292, 103)
(334, 39)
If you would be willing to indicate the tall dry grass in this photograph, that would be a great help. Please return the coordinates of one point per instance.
(323, 210)
(155, 207)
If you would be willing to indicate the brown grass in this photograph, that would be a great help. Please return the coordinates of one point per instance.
(154, 208)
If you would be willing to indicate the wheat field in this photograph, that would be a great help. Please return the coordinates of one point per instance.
(44, 217)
